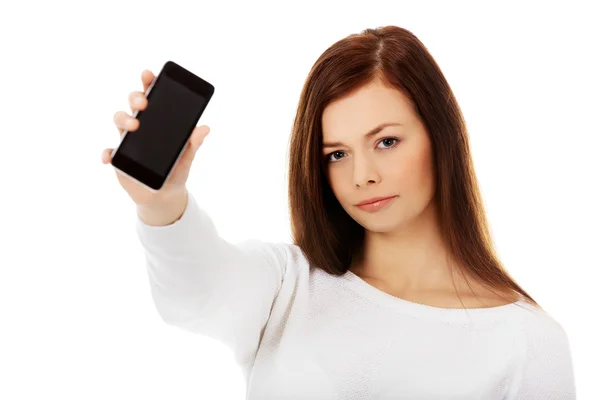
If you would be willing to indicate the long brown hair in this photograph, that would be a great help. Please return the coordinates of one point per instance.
(327, 235)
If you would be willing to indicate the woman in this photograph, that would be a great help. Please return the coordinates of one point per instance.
(401, 297)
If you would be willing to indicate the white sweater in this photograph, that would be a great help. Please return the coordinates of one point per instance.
(300, 333)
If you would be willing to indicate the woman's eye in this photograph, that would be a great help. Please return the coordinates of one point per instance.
(388, 140)
(329, 158)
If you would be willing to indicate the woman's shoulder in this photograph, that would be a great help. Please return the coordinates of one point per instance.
(538, 322)
(546, 368)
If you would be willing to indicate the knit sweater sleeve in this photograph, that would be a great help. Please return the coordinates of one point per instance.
(547, 370)
(204, 284)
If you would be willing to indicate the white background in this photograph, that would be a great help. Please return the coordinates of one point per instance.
(76, 316)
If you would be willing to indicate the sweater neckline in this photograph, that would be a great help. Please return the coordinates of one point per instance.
(418, 309)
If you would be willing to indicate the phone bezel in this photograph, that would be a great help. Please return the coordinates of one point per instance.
(139, 172)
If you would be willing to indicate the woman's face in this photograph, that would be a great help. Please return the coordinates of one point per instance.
(395, 160)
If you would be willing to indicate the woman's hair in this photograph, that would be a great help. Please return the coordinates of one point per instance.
(328, 236)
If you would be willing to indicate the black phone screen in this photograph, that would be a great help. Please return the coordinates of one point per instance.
(175, 103)
(165, 125)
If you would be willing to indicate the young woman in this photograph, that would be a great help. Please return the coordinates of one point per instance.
(391, 288)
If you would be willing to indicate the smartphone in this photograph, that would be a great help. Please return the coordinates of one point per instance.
(176, 100)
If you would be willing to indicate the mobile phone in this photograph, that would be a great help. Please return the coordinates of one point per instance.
(176, 100)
